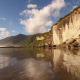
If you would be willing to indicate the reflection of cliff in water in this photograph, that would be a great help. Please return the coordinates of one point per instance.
(66, 63)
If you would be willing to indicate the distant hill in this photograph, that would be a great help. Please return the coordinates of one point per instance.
(32, 41)
(13, 39)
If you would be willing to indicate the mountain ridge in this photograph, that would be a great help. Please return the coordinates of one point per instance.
(12, 40)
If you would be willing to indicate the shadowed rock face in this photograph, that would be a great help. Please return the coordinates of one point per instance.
(68, 28)
(49, 39)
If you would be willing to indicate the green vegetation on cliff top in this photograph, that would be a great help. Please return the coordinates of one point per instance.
(61, 19)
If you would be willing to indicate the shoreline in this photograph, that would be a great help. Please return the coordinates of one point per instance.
(53, 47)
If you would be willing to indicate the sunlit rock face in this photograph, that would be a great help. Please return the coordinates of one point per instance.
(39, 38)
(49, 39)
(68, 28)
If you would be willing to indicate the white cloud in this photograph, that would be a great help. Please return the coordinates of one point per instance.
(4, 32)
(2, 29)
(3, 18)
(39, 19)
(13, 31)
(31, 6)
(74, 7)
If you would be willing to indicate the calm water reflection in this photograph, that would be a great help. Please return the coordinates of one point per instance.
(39, 64)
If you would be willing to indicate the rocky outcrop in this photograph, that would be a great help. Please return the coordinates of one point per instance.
(71, 43)
(39, 38)
(67, 29)
(49, 40)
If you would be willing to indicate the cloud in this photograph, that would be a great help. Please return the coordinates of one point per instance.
(3, 18)
(39, 19)
(4, 32)
(2, 29)
(31, 6)
(74, 7)
(13, 31)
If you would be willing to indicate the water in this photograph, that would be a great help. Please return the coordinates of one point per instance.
(39, 64)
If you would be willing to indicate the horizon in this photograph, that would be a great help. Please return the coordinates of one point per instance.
(31, 16)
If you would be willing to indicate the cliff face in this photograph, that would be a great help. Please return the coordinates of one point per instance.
(68, 28)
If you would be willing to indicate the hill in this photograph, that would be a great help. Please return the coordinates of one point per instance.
(32, 40)
(12, 40)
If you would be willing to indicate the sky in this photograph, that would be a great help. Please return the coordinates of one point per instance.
(32, 16)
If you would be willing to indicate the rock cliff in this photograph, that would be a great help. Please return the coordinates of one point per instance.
(39, 38)
(67, 28)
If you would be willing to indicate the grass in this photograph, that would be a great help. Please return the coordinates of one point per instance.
(31, 41)
(61, 19)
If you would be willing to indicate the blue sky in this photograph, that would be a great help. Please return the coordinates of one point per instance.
(32, 16)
